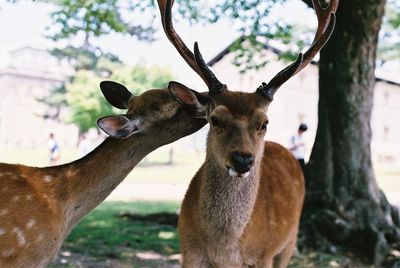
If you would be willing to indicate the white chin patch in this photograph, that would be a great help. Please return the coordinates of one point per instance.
(235, 174)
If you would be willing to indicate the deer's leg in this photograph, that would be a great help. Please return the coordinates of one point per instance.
(194, 259)
(283, 258)
(263, 263)
(194, 263)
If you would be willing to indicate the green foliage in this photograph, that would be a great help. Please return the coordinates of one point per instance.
(96, 18)
(87, 104)
(389, 45)
(102, 64)
(139, 79)
(256, 27)
(88, 58)
(85, 101)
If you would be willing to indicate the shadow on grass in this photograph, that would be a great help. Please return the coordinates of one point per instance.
(143, 234)
(120, 229)
(162, 218)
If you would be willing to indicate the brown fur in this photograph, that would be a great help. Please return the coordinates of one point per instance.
(40, 206)
(230, 221)
(273, 223)
(243, 207)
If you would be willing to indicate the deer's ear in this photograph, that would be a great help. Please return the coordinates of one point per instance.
(116, 94)
(118, 126)
(192, 101)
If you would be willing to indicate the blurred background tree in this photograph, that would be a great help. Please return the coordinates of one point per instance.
(389, 44)
(87, 104)
(344, 206)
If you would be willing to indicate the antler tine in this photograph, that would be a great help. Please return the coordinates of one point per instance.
(268, 90)
(318, 44)
(326, 25)
(166, 19)
(215, 85)
(323, 15)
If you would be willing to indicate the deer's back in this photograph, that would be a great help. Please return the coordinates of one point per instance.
(29, 219)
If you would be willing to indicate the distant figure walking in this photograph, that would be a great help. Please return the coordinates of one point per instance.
(54, 150)
(84, 146)
(298, 146)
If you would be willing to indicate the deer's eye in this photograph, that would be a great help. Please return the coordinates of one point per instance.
(216, 123)
(264, 125)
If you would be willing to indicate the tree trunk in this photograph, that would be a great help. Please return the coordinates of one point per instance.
(344, 205)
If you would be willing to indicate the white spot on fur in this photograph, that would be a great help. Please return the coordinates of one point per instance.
(8, 252)
(2, 231)
(40, 238)
(15, 198)
(20, 236)
(3, 212)
(48, 178)
(30, 223)
(70, 173)
(28, 197)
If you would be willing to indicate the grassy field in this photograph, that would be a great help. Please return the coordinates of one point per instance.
(118, 234)
(128, 234)
(122, 232)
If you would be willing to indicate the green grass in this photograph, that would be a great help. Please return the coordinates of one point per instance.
(104, 234)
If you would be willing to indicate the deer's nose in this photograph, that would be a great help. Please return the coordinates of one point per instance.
(242, 162)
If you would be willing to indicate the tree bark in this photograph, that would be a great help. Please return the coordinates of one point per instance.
(344, 205)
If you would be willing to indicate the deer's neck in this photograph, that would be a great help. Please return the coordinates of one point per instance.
(227, 202)
(88, 181)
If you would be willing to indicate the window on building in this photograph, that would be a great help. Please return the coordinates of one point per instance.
(386, 96)
(386, 131)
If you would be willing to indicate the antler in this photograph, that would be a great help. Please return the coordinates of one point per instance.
(196, 61)
(326, 24)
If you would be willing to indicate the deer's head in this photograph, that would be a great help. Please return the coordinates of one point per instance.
(154, 113)
(238, 120)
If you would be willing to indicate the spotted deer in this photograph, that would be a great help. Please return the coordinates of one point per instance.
(40, 206)
(243, 206)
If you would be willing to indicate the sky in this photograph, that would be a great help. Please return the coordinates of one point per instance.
(24, 24)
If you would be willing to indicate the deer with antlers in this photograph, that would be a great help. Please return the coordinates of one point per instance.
(40, 206)
(242, 208)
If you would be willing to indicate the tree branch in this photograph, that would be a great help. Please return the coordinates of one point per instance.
(308, 3)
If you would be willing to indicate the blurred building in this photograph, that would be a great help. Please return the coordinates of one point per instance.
(28, 75)
(297, 101)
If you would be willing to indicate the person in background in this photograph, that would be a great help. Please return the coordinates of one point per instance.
(54, 150)
(297, 145)
(84, 145)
